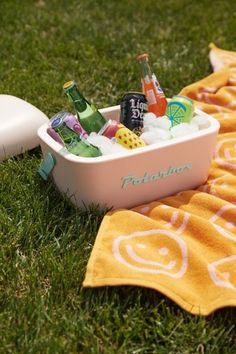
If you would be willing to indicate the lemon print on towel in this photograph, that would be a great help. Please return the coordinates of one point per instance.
(127, 138)
(153, 251)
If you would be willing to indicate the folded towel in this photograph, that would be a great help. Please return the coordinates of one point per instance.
(184, 246)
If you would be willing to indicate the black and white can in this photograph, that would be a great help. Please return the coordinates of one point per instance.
(132, 108)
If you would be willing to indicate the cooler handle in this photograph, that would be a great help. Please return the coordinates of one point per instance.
(47, 166)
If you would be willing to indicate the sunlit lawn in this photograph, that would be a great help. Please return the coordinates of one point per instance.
(46, 242)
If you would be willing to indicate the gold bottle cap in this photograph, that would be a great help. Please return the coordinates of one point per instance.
(143, 56)
(68, 84)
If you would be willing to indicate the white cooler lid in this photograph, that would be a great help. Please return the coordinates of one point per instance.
(19, 122)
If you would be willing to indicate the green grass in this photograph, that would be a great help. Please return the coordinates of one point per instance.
(46, 242)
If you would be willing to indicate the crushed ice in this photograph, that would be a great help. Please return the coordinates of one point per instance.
(155, 130)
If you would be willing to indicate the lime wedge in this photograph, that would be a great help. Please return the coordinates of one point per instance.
(176, 112)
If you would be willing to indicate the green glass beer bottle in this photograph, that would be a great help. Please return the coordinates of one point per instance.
(75, 143)
(84, 149)
(90, 118)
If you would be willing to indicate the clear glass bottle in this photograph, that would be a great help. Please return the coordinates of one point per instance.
(151, 88)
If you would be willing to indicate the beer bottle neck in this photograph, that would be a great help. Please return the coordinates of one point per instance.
(78, 100)
(145, 69)
(80, 103)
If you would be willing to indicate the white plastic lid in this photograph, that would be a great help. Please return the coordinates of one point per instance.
(19, 122)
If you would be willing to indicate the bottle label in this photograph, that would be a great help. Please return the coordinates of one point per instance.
(157, 85)
(86, 112)
(73, 124)
(151, 97)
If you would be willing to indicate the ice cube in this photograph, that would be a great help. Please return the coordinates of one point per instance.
(106, 149)
(149, 119)
(163, 123)
(201, 121)
(155, 135)
(115, 147)
(96, 139)
(183, 129)
(162, 133)
(149, 137)
(107, 146)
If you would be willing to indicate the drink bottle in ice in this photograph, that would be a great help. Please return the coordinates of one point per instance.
(67, 131)
(90, 118)
(151, 88)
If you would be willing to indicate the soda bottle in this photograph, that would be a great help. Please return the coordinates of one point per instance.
(151, 88)
(74, 142)
(90, 118)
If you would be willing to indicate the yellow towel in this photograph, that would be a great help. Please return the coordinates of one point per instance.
(184, 246)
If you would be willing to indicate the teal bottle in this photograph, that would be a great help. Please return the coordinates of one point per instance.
(90, 118)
